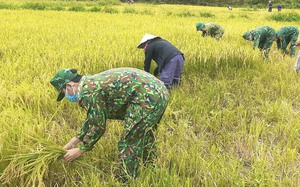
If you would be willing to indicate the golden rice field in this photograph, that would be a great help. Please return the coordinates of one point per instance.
(235, 121)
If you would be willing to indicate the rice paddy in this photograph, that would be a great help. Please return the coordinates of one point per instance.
(233, 122)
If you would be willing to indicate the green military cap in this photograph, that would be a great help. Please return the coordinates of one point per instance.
(199, 26)
(60, 80)
(246, 35)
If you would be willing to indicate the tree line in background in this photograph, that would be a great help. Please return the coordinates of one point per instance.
(259, 4)
(225, 3)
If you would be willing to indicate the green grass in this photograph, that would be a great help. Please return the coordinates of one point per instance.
(289, 17)
(233, 122)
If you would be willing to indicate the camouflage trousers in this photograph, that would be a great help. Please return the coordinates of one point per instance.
(138, 141)
(265, 47)
(218, 35)
(293, 39)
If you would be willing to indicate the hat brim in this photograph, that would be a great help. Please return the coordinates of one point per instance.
(61, 95)
(145, 39)
(142, 45)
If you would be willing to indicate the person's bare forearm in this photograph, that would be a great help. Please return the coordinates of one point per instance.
(72, 143)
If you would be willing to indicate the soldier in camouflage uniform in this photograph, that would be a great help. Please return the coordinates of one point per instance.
(284, 36)
(262, 37)
(210, 29)
(128, 94)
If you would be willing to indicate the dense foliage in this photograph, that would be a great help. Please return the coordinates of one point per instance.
(222, 3)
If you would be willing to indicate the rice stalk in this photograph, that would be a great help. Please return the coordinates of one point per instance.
(32, 166)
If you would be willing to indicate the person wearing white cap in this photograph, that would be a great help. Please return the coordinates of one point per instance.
(168, 58)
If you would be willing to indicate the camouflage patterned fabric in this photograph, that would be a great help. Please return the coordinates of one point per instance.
(214, 30)
(284, 36)
(263, 38)
(128, 94)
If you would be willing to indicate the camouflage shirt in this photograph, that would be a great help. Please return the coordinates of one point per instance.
(285, 34)
(213, 30)
(108, 94)
(263, 34)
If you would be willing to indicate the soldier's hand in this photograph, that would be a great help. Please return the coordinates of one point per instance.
(72, 154)
(71, 144)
